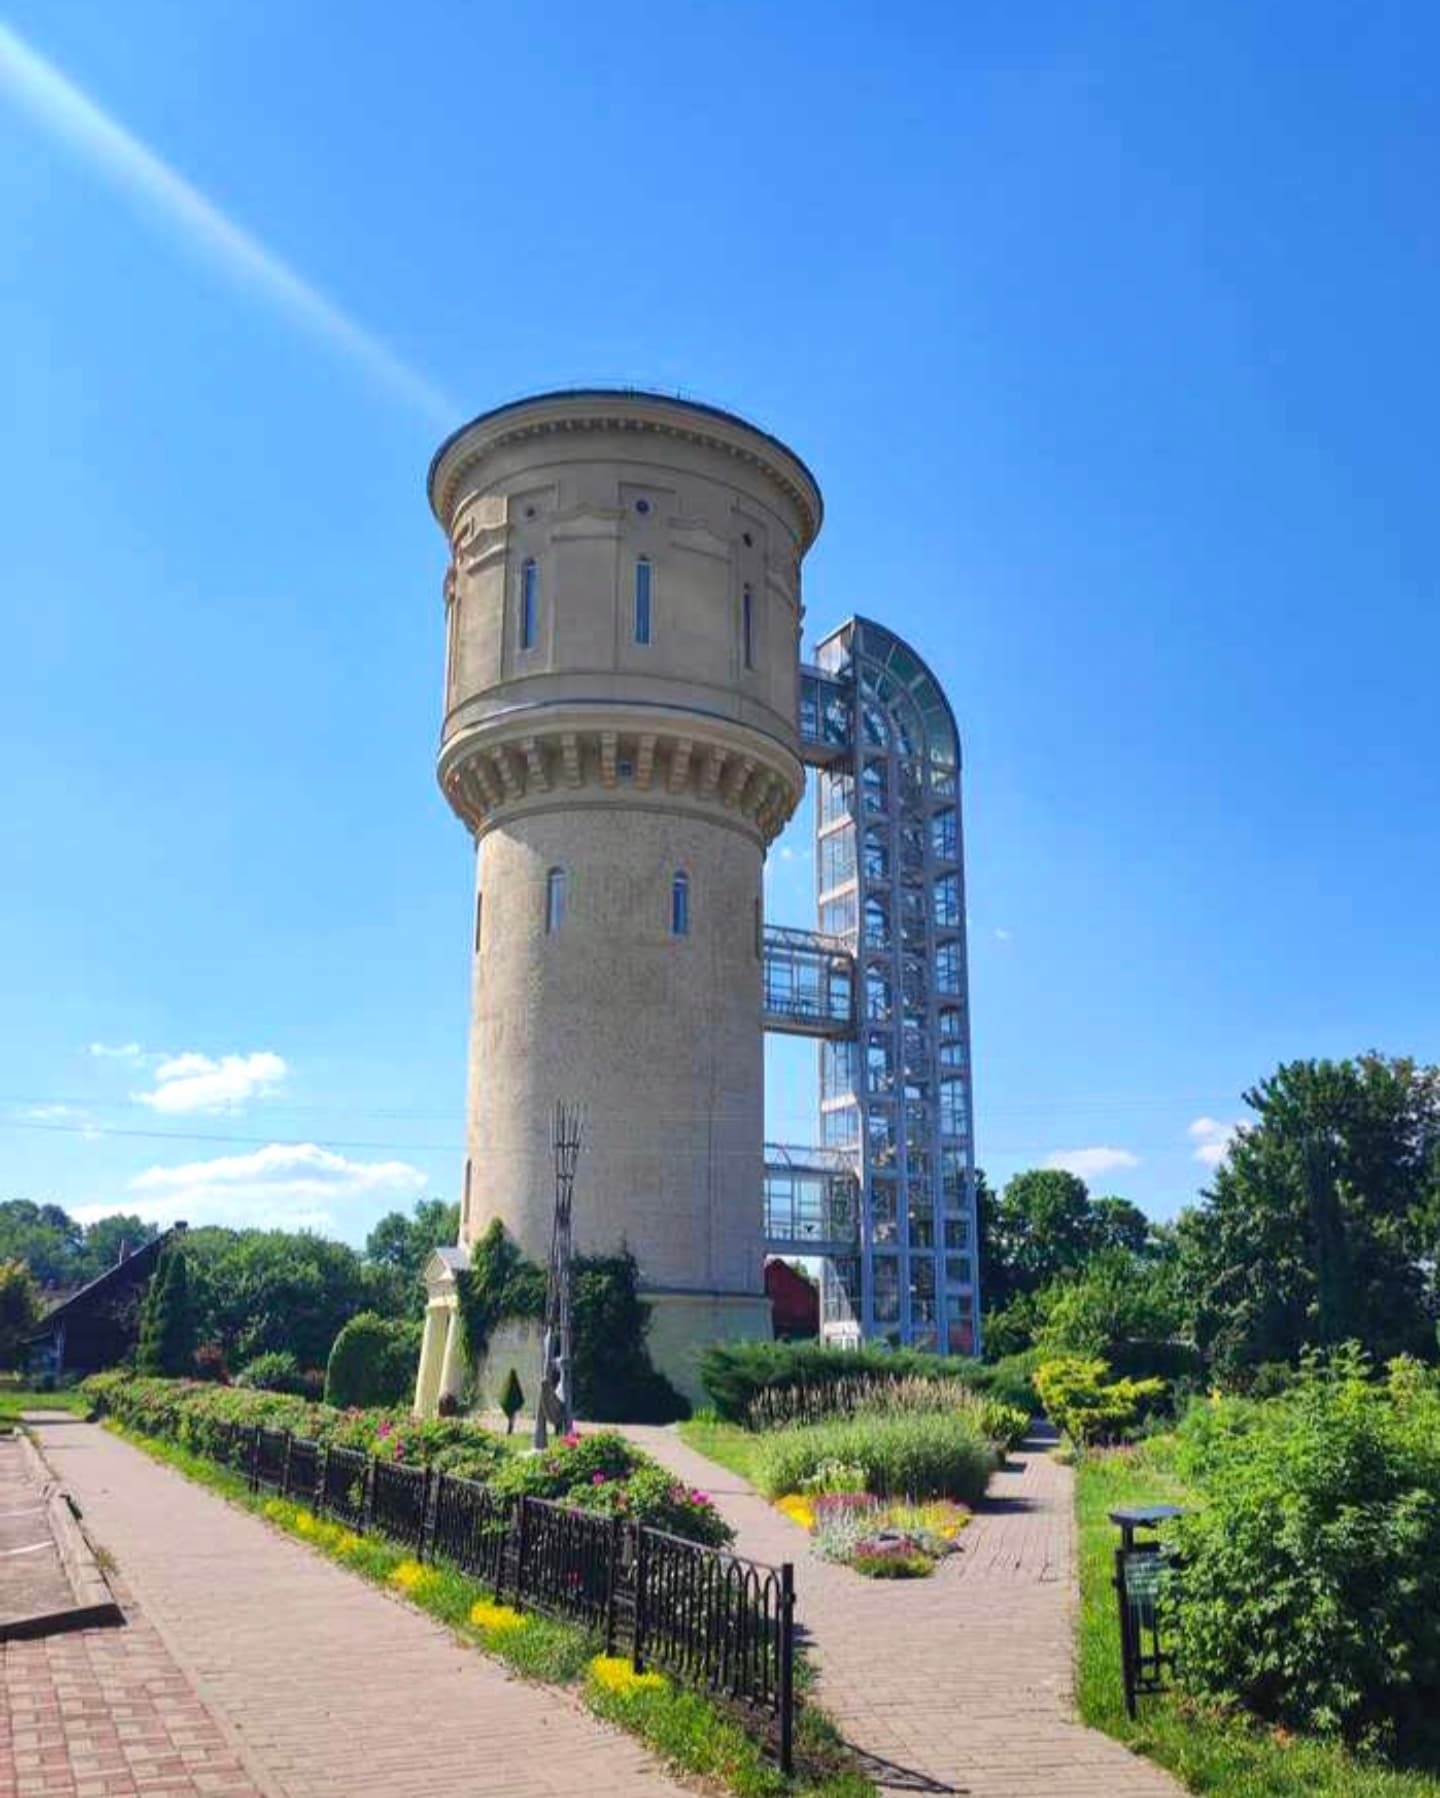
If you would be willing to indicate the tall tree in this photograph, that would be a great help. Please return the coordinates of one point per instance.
(19, 1310)
(1321, 1223)
(167, 1323)
(399, 1246)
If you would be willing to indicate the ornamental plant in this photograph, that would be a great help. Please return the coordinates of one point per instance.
(901, 1455)
(1086, 1404)
(1310, 1582)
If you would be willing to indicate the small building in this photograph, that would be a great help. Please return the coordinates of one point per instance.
(99, 1325)
(794, 1301)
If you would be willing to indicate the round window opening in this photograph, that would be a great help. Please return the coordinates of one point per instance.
(529, 511)
(748, 540)
(642, 506)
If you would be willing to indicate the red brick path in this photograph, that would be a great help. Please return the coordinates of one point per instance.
(328, 1687)
(961, 1683)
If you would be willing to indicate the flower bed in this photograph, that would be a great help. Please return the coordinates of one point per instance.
(600, 1473)
(894, 1455)
(880, 1539)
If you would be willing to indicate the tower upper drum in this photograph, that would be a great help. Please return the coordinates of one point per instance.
(623, 608)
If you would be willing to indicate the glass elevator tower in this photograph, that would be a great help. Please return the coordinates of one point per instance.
(887, 1199)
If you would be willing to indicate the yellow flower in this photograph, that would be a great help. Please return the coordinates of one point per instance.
(346, 1542)
(305, 1523)
(495, 1617)
(615, 1674)
(798, 1508)
(275, 1509)
(409, 1575)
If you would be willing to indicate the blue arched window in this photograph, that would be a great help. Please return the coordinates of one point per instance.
(555, 885)
(680, 905)
(529, 603)
(642, 601)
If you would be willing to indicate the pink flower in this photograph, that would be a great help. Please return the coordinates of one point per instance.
(572, 1440)
(597, 1479)
(700, 1498)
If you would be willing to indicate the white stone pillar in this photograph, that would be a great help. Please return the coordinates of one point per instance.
(428, 1378)
(452, 1363)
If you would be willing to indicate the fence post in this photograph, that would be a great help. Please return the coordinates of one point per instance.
(367, 1497)
(285, 1465)
(522, 1547)
(787, 1668)
(637, 1650)
(254, 1468)
(614, 1547)
(425, 1548)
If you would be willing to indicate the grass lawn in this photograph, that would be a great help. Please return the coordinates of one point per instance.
(726, 1443)
(1207, 1753)
(15, 1399)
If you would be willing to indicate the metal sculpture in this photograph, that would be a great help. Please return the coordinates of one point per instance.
(556, 1408)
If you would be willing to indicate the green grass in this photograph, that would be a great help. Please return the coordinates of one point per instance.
(683, 1727)
(1208, 1752)
(726, 1443)
(15, 1399)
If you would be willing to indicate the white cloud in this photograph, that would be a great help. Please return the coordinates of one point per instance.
(189, 1083)
(117, 1051)
(62, 1117)
(1087, 1163)
(71, 115)
(286, 1185)
(1212, 1139)
(1001, 935)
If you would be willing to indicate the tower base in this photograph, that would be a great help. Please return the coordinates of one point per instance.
(684, 1324)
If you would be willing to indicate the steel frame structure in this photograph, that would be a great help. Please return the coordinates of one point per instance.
(895, 1086)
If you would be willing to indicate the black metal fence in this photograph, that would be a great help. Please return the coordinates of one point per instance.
(710, 1619)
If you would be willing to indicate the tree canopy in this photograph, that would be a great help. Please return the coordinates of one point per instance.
(1323, 1223)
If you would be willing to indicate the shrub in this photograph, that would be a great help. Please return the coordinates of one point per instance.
(373, 1362)
(736, 1374)
(1085, 1405)
(904, 1455)
(1310, 1590)
(210, 1363)
(276, 1371)
(512, 1400)
(1006, 1425)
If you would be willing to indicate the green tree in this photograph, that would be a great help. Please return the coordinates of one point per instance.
(167, 1320)
(19, 1310)
(258, 1291)
(1040, 1227)
(1322, 1221)
(512, 1400)
(107, 1236)
(46, 1238)
(399, 1247)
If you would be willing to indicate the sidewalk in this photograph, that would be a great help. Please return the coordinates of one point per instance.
(325, 1686)
(960, 1683)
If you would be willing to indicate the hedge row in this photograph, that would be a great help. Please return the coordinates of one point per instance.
(600, 1473)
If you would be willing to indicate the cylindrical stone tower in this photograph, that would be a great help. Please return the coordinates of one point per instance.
(623, 634)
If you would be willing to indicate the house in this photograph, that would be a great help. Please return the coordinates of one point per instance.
(99, 1325)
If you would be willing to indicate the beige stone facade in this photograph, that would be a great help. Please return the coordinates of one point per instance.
(623, 619)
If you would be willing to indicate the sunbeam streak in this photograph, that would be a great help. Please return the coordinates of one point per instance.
(72, 116)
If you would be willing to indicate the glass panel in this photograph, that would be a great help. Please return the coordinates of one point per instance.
(877, 924)
(529, 604)
(872, 726)
(879, 995)
(680, 905)
(886, 1275)
(957, 1270)
(957, 1232)
(873, 787)
(837, 796)
(837, 916)
(877, 853)
(837, 859)
(947, 902)
(945, 835)
(837, 1069)
(879, 1065)
(952, 1177)
(947, 968)
(954, 1111)
(555, 884)
(880, 1128)
(840, 1128)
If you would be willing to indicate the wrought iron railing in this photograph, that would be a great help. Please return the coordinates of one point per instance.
(710, 1619)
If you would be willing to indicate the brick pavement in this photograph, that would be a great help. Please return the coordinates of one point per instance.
(326, 1686)
(961, 1683)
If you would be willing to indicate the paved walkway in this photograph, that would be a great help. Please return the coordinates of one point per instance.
(32, 1580)
(324, 1686)
(960, 1683)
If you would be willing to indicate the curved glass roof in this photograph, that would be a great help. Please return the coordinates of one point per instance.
(890, 671)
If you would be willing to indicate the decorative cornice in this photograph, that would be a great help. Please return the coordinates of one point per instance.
(618, 411)
(495, 769)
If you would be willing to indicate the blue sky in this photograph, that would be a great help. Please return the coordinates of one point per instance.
(1109, 332)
